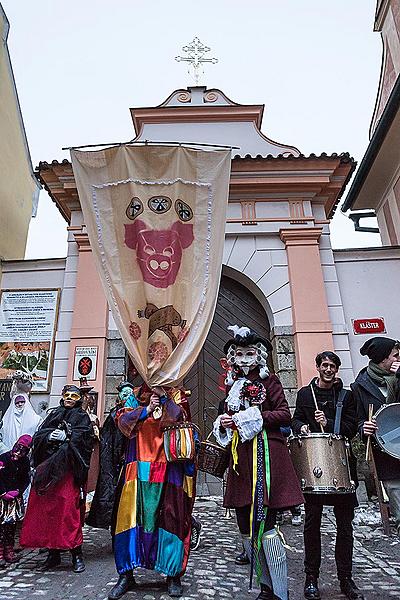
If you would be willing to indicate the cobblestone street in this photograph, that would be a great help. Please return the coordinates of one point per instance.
(212, 573)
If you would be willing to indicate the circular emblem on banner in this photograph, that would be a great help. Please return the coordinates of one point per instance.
(158, 352)
(134, 209)
(85, 366)
(183, 211)
(159, 204)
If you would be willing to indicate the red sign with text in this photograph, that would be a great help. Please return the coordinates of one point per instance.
(368, 326)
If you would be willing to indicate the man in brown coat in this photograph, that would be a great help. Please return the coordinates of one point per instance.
(261, 478)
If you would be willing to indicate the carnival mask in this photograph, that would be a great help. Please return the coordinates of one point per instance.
(70, 396)
(21, 447)
(125, 393)
(244, 357)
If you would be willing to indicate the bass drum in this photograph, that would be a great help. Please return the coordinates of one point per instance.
(388, 433)
(321, 461)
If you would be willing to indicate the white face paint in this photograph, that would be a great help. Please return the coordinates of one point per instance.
(245, 358)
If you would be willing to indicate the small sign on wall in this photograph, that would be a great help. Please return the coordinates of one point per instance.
(85, 362)
(369, 326)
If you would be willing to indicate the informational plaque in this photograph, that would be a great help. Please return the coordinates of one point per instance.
(85, 362)
(369, 326)
(28, 321)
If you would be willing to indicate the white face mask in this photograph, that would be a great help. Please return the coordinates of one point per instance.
(246, 358)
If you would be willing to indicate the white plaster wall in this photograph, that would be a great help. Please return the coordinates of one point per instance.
(341, 343)
(369, 281)
(263, 260)
(47, 273)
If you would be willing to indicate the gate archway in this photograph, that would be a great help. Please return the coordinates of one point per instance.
(235, 305)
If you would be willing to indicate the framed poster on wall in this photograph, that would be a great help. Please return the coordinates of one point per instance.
(28, 322)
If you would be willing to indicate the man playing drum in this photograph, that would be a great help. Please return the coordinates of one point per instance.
(379, 384)
(261, 478)
(326, 392)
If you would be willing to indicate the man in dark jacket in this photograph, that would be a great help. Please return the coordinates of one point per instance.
(379, 384)
(326, 390)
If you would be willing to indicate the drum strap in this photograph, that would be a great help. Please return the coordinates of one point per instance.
(338, 414)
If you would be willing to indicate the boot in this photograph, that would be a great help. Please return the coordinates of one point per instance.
(349, 589)
(175, 588)
(9, 554)
(53, 560)
(77, 560)
(311, 591)
(126, 582)
(266, 593)
(2, 560)
(242, 558)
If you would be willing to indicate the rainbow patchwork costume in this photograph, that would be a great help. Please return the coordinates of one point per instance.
(152, 514)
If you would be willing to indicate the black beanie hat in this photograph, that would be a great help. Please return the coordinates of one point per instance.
(378, 348)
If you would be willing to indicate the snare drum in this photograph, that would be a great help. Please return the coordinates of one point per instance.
(388, 433)
(321, 461)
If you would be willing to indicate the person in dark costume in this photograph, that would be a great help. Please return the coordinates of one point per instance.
(62, 449)
(254, 411)
(14, 479)
(112, 446)
(328, 391)
(379, 384)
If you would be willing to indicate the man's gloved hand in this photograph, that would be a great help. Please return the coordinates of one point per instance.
(58, 435)
(10, 495)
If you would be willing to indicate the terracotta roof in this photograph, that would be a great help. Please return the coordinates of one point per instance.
(344, 156)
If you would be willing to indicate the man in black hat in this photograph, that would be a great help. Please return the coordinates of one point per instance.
(336, 413)
(379, 384)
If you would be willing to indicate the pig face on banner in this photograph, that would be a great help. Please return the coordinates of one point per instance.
(159, 252)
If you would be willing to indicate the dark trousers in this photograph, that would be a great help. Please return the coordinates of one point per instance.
(344, 515)
(243, 519)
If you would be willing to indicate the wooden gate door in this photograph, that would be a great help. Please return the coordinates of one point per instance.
(235, 306)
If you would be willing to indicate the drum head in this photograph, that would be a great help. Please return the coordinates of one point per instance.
(388, 434)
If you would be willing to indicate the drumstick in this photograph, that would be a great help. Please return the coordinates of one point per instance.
(368, 449)
(316, 407)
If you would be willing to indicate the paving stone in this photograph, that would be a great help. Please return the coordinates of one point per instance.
(212, 573)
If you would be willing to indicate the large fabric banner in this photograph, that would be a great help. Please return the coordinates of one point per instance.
(155, 216)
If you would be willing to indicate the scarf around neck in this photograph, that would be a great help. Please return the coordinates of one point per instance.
(384, 379)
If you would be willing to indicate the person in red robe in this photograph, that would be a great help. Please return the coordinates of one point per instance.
(62, 449)
(261, 478)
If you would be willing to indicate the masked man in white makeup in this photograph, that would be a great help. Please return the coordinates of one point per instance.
(254, 411)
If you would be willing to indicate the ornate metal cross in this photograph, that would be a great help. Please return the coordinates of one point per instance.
(195, 57)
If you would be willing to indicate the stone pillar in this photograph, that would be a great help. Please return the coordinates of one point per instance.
(312, 327)
(90, 316)
(284, 359)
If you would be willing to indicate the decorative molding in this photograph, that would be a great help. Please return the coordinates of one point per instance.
(210, 97)
(304, 236)
(82, 239)
(196, 114)
(184, 97)
(248, 212)
(296, 210)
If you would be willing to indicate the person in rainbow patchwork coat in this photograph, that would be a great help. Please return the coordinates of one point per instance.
(154, 501)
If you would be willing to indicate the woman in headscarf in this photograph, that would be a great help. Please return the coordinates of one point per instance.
(20, 418)
(62, 448)
(14, 479)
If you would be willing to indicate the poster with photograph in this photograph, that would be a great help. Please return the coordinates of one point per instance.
(28, 321)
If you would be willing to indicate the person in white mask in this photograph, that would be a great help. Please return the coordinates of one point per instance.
(20, 419)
